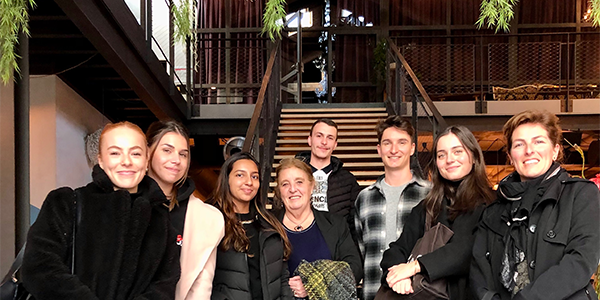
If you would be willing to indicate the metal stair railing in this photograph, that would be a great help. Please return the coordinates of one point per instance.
(406, 84)
(262, 131)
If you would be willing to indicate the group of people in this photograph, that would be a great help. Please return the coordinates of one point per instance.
(138, 232)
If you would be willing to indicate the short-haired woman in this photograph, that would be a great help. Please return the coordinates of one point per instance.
(313, 234)
(540, 238)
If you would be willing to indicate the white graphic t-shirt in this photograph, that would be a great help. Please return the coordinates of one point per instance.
(319, 194)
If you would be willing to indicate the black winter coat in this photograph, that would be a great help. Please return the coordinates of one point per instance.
(125, 248)
(232, 275)
(451, 261)
(336, 233)
(567, 220)
(342, 190)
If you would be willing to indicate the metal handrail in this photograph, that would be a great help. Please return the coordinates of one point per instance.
(250, 134)
(436, 113)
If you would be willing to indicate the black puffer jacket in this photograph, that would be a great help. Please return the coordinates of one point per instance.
(561, 262)
(232, 275)
(125, 248)
(342, 190)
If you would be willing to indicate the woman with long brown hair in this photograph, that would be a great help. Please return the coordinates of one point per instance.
(460, 190)
(251, 258)
(199, 226)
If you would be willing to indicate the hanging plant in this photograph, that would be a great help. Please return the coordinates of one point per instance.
(272, 19)
(594, 12)
(184, 20)
(496, 14)
(14, 17)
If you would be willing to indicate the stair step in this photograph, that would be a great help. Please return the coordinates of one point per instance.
(340, 141)
(353, 164)
(340, 148)
(338, 121)
(361, 183)
(355, 173)
(340, 128)
(340, 156)
(342, 133)
(329, 115)
(340, 109)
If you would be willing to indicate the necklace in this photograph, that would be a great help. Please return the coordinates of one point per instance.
(298, 226)
(245, 222)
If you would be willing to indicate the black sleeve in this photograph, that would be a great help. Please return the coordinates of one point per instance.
(453, 259)
(45, 272)
(167, 275)
(350, 218)
(480, 272)
(399, 251)
(348, 251)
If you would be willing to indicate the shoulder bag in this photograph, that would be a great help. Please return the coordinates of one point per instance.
(11, 287)
(434, 238)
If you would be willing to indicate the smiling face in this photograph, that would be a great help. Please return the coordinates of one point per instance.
(295, 189)
(170, 160)
(322, 141)
(395, 149)
(123, 157)
(243, 182)
(453, 160)
(532, 151)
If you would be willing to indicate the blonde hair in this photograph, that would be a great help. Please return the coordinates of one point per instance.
(111, 126)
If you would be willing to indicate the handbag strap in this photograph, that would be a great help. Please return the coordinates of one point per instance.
(16, 265)
(76, 223)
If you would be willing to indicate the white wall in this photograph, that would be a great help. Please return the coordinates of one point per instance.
(7, 177)
(60, 120)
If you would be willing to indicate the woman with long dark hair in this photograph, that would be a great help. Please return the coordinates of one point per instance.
(124, 245)
(199, 226)
(460, 190)
(540, 238)
(251, 258)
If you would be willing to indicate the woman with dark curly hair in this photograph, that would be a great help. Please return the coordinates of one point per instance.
(251, 258)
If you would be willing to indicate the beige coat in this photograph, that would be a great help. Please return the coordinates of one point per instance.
(202, 233)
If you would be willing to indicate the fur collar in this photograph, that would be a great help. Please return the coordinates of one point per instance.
(148, 188)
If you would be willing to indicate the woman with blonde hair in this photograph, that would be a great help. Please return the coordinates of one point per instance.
(314, 235)
(251, 257)
(124, 245)
(199, 226)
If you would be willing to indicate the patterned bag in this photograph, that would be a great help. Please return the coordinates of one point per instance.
(325, 279)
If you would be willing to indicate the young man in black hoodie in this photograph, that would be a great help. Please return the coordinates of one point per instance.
(335, 187)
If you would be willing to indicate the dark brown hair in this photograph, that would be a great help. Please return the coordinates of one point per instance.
(548, 120)
(473, 190)
(235, 235)
(394, 121)
(154, 134)
(326, 121)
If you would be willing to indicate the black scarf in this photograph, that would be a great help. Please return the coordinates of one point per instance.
(522, 197)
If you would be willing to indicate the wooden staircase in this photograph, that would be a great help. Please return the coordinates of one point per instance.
(357, 140)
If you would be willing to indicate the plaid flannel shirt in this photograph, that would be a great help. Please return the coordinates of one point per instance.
(370, 226)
